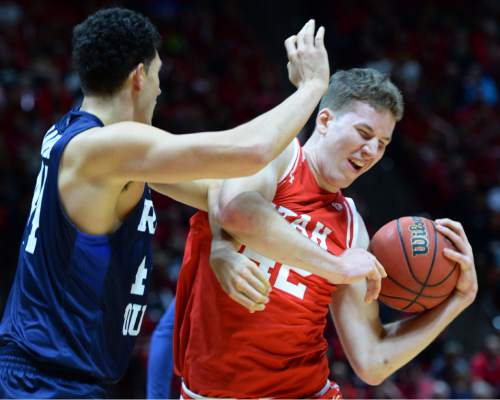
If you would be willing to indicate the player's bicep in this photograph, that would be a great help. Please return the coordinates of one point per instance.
(356, 322)
(130, 151)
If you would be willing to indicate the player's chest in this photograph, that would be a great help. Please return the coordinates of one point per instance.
(326, 224)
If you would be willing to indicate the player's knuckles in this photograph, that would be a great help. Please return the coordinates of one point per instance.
(245, 274)
(239, 283)
(233, 293)
(467, 263)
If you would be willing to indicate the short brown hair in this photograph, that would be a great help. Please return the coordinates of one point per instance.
(366, 85)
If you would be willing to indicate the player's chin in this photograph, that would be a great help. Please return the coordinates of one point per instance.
(349, 178)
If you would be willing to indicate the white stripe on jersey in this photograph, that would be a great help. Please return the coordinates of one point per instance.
(292, 166)
(355, 222)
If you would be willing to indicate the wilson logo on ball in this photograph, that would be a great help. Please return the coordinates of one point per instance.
(419, 237)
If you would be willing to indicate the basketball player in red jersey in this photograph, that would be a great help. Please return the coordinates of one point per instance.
(221, 350)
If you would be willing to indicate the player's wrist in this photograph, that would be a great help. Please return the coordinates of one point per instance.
(315, 85)
(338, 274)
(221, 244)
(462, 299)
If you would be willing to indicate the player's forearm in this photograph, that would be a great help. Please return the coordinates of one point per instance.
(401, 341)
(275, 129)
(252, 220)
(243, 150)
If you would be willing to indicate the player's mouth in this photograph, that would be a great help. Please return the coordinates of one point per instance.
(355, 164)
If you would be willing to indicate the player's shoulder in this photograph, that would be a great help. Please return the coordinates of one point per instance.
(79, 149)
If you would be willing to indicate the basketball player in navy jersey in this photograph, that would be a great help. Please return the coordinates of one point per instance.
(79, 293)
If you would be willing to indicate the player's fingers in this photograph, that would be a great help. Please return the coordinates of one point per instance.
(291, 50)
(310, 27)
(243, 286)
(242, 299)
(319, 40)
(301, 41)
(257, 273)
(380, 269)
(462, 259)
(256, 283)
(374, 285)
(291, 47)
(372, 289)
(454, 226)
(453, 237)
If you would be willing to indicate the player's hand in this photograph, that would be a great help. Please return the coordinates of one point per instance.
(467, 282)
(239, 277)
(359, 264)
(307, 57)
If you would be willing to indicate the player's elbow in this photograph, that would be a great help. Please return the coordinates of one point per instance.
(254, 158)
(371, 378)
(254, 152)
(371, 371)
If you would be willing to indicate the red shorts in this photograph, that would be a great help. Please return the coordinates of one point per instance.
(330, 391)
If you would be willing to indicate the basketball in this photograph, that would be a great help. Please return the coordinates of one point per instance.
(419, 276)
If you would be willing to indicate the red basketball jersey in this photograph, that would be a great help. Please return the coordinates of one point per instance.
(220, 349)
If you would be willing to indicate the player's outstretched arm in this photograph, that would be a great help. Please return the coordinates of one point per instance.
(130, 151)
(375, 350)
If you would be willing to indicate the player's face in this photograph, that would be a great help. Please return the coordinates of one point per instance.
(150, 92)
(351, 142)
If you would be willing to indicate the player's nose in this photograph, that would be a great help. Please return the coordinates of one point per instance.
(370, 147)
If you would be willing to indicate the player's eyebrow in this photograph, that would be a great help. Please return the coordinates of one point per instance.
(371, 130)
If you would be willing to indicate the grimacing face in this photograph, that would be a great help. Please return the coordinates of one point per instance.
(350, 143)
(150, 92)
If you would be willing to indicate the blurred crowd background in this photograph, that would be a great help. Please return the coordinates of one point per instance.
(224, 64)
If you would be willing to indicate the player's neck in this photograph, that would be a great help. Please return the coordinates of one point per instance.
(312, 160)
(109, 109)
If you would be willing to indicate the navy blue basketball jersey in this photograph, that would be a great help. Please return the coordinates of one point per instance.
(78, 300)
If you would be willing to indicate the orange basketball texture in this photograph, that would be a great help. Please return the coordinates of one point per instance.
(419, 276)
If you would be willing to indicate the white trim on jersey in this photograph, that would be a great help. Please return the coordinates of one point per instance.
(325, 389)
(191, 394)
(294, 162)
(352, 219)
(348, 233)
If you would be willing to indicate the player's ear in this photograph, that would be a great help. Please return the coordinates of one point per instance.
(324, 116)
(137, 76)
